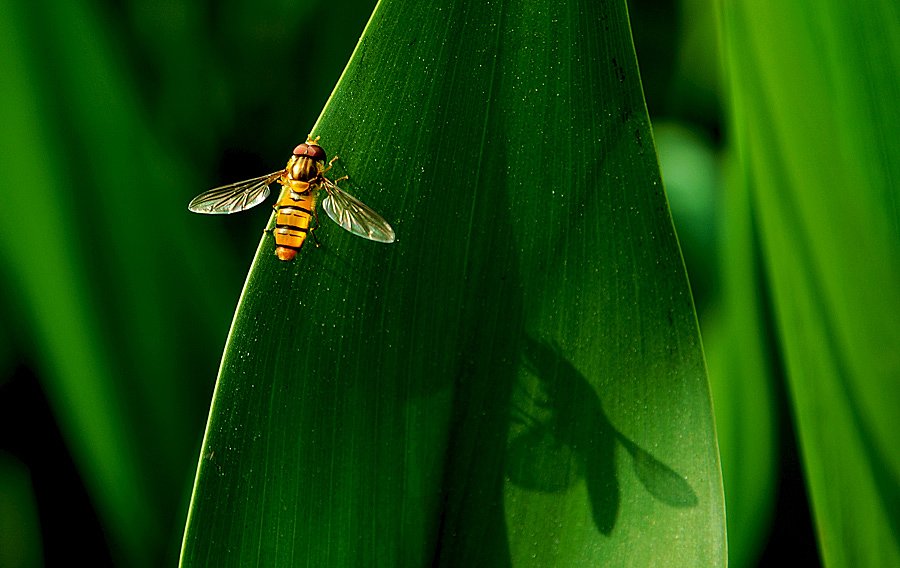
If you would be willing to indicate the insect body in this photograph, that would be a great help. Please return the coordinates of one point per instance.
(293, 212)
(301, 179)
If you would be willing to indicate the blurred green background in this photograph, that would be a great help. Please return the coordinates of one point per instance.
(115, 302)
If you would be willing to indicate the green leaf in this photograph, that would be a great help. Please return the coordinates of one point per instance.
(20, 527)
(736, 339)
(814, 88)
(519, 378)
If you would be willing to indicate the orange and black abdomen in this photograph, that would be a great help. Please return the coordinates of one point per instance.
(292, 222)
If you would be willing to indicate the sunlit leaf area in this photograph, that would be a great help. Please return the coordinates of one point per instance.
(588, 284)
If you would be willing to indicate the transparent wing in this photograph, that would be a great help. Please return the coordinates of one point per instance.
(234, 197)
(355, 216)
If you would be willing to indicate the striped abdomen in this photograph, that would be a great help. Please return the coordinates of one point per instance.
(292, 221)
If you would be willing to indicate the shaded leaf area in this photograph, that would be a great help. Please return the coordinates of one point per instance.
(366, 399)
(564, 422)
(825, 164)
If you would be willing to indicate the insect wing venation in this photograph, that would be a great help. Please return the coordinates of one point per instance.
(234, 197)
(355, 216)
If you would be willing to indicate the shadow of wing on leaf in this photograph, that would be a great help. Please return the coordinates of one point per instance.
(536, 460)
(658, 479)
(560, 434)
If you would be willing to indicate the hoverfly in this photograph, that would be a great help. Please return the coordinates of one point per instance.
(301, 179)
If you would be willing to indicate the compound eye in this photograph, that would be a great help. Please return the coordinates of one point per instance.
(311, 151)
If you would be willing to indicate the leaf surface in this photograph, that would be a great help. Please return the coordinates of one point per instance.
(518, 379)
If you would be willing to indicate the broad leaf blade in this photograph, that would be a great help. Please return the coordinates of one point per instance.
(518, 379)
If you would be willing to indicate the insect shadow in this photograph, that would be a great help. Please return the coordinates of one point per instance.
(560, 434)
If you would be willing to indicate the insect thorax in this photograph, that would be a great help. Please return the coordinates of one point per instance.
(302, 168)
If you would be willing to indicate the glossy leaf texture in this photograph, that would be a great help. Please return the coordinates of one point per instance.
(814, 87)
(517, 380)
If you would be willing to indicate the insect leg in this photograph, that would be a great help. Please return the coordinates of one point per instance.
(330, 164)
(271, 225)
(313, 230)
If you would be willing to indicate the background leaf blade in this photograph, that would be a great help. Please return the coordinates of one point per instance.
(818, 142)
